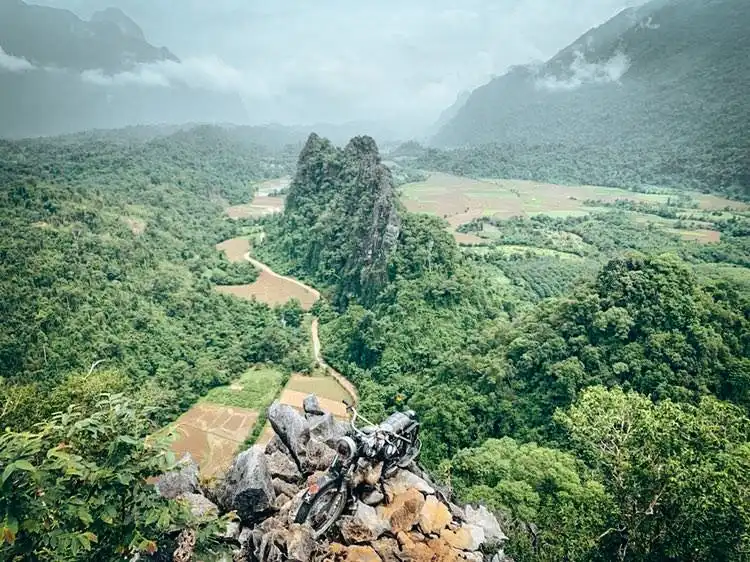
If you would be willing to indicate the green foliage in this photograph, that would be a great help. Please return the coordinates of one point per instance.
(108, 253)
(76, 488)
(679, 474)
(644, 324)
(255, 390)
(534, 485)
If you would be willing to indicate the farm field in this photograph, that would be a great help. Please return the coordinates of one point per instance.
(264, 202)
(213, 429)
(269, 288)
(235, 249)
(460, 200)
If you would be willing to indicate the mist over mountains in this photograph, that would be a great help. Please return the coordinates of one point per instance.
(61, 74)
(668, 77)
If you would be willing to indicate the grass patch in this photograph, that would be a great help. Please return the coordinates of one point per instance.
(255, 390)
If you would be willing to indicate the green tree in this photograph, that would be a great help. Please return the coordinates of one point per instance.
(553, 507)
(679, 474)
(77, 488)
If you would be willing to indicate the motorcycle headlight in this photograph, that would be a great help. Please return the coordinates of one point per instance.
(346, 449)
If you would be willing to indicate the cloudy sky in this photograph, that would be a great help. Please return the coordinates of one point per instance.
(297, 61)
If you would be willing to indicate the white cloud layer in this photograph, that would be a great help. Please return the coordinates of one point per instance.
(208, 73)
(296, 61)
(583, 72)
(13, 64)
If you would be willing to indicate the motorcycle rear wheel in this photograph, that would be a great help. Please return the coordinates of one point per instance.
(324, 509)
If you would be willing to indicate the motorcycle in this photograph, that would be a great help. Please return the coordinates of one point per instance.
(395, 443)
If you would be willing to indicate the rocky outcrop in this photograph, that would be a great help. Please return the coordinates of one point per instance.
(344, 215)
(183, 480)
(248, 487)
(412, 521)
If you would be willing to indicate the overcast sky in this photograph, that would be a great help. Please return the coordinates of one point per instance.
(298, 61)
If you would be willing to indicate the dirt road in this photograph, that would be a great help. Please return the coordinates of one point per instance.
(341, 379)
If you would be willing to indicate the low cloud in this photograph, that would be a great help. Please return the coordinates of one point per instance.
(207, 73)
(582, 72)
(13, 64)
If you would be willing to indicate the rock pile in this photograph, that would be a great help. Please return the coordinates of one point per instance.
(408, 519)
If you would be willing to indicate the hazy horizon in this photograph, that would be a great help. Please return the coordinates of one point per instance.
(396, 64)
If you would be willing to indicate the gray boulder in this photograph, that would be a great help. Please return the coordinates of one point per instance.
(364, 526)
(281, 466)
(200, 506)
(311, 406)
(233, 531)
(300, 544)
(282, 487)
(276, 444)
(292, 429)
(182, 480)
(482, 517)
(247, 487)
(318, 456)
(327, 429)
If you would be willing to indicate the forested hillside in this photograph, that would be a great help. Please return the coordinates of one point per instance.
(652, 97)
(108, 254)
(564, 415)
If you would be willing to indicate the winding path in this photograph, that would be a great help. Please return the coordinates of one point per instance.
(341, 379)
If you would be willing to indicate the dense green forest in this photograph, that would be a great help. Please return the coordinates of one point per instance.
(107, 254)
(588, 378)
(609, 421)
(651, 97)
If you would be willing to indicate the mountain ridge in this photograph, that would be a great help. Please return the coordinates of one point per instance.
(68, 75)
(665, 76)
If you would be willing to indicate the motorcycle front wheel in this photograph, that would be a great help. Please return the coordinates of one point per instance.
(324, 509)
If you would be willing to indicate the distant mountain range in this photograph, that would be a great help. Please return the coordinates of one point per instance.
(670, 77)
(59, 74)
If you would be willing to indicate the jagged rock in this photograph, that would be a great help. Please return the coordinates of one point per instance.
(457, 512)
(285, 488)
(472, 556)
(280, 501)
(185, 546)
(373, 498)
(367, 473)
(327, 429)
(182, 480)
(311, 406)
(300, 544)
(434, 516)
(364, 526)
(233, 531)
(482, 517)
(434, 550)
(245, 535)
(387, 548)
(403, 512)
(318, 456)
(416, 536)
(468, 537)
(292, 429)
(200, 506)
(281, 466)
(340, 553)
(276, 444)
(247, 487)
(402, 481)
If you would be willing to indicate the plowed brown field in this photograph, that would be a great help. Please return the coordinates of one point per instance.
(212, 434)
